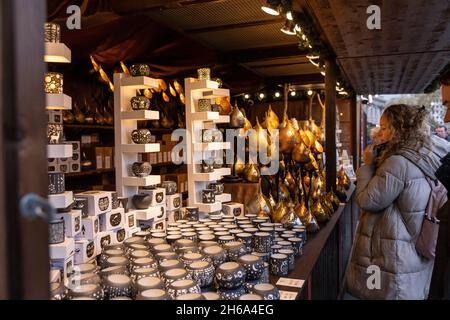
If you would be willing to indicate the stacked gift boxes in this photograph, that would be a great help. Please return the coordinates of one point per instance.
(152, 214)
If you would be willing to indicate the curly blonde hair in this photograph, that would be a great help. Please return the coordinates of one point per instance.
(410, 129)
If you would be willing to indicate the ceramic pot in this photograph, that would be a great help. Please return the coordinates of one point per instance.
(139, 273)
(253, 265)
(208, 196)
(180, 287)
(147, 262)
(140, 69)
(230, 275)
(279, 264)
(153, 294)
(52, 32)
(291, 257)
(297, 246)
(262, 242)
(118, 285)
(175, 274)
(141, 136)
(218, 187)
(189, 258)
(55, 133)
(148, 283)
(170, 186)
(141, 169)
(246, 239)
(56, 231)
(234, 250)
(267, 291)
(94, 291)
(231, 294)
(119, 261)
(140, 103)
(170, 264)
(216, 254)
(202, 272)
(142, 200)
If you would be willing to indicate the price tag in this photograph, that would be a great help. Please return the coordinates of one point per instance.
(287, 295)
(287, 282)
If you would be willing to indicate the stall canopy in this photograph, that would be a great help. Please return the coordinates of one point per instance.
(244, 46)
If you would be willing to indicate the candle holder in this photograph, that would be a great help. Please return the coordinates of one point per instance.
(53, 82)
(204, 74)
(52, 32)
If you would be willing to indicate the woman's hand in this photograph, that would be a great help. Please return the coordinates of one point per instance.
(368, 155)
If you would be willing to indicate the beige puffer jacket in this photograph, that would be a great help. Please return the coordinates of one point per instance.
(393, 200)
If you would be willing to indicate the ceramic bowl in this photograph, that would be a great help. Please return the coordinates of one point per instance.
(230, 275)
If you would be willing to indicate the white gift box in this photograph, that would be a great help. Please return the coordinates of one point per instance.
(160, 224)
(90, 227)
(65, 266)
(112, 220)
(75, 146)
(103, 238)
(72, 222)
(74, 166)
(85, 250)
(98, 201)
(62, 250)
(63, 167)
(172, 216)
(158, 196)
(52, 161)
(131, 232)
(173, 201)
(118, 235)
(233, 208)
(63, 160)
(157, 212)
(55, 116)
(130, 219)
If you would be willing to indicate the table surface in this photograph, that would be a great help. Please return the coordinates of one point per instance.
(312, 250)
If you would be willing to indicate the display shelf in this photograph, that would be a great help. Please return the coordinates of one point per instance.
(215, 93)
(88, 173)
(224, 197)
(140, 115)
(150, 213)
(202, 85)
(141, 182)
(222, 119)
(57, 52)
(205, 116)
(61, 201)
(217, 174)
(139, 82)
(141, 148)
(93, 127)
(59, 151)
(211, 146)
(58, 101)
(209, 207)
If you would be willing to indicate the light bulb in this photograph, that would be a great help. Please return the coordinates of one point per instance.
(293, 93)
(277, 94)
(310, 92)
(289, 16)
(247, 96)
(262, 95)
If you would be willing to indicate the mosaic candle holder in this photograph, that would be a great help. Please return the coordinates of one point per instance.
(230, 275)
(118, 285)
(204, 74)
(56, 183)
(53, 82)
(279, 264)
(56, 231)
(202, 272)
(140, 69)
(208, 196)
(52, 32)
(140, 103)
(267, 291)
(262, 242)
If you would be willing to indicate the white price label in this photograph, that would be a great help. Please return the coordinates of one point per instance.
(287, 282)
(287, 295)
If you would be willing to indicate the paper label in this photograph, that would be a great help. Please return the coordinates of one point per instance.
(287, 282)
(287, 295)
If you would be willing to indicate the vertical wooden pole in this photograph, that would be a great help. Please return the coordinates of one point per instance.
(330, 124)
(355, 130)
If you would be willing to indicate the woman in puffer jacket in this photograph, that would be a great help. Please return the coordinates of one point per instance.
(393, 192)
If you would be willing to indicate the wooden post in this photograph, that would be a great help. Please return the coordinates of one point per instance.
(355, 130)
(330, 124)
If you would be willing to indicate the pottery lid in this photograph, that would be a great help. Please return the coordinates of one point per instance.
(184, 243)
(175, 273)
(206, 231)
(112, 269)
(219, 228)
(222, 233)
(182, 284)
(191, 296)
(121, 298)
(142, 234)
(199, 265)
(267, 225)
(204, 220)
(230, 226)
(169, 263)
(226, 238)
(158, 235)
(84, 268)
(295, 239)
(229, 266)
(140, 254)
(163, 247)
(133, 239)
(173, 229)
(155, 241)
(211, 295)
(250, 215)
(213, 250)
(249, 258)
(119, 261)
(264, 287)
(143, 261)
(236, 231)
(266, 229)
(150, 282)
(85, 289)
(118, 279)
(233, 245)
(244, 235)
(138, 246)
(286, 251)
(279, 256)
(191, 223)
(262, 234)
(206, 244)
(198, 225)
(247, 226)
(284, 243)
(166, 254)
(251, 296)
(153, 293)
(145, 271)
(113, 253)
(173, 235)
(251, 230)
(206, 237)
(189, 234)
(192, 256)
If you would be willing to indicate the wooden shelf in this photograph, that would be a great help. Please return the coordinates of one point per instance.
(217, 174)
(209, 207)
(59, 151)
(140, 115)
(147, 214)
(141, 148)
(89, 173)
(139, 82)
(224, 197)
(223, 119)
(58, 101)
(216, 93)
(204, 85)
(141, 182)
(87, 127)
(211, 146)
(57, 53)
(205, 116)
(161, 164)
(61, 201)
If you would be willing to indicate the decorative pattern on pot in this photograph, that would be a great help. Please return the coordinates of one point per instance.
(148, 283)
(94, 291)
(216, 254)
(262, 242)
(189, 258)
(54, 133)
(204, 74)
(202, 272)
(230, 275)
(52, 32)
(141, 169)
(225, 239)
(53, 82)
(190, 236)
(208, 196)
(118, 285)
(180, 287)
(170, 186)
(267, 291)
(218, 187)
(56, 231)
(246, 239)
(141, 136)
(141, 200)
(189, 213)
(162, 256)
(291, 257)
(140, 69)
(297, 246)
(279, 264)
(175, 274)
(253, 265)
(145, 263)
(234, 250)
(207, 166)
(233, 294)
(139, 273)
(103, 203)
(140, 103)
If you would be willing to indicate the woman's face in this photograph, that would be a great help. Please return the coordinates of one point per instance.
(386, 133)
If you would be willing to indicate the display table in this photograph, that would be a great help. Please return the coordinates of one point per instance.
(242, 192)
(325, 256)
